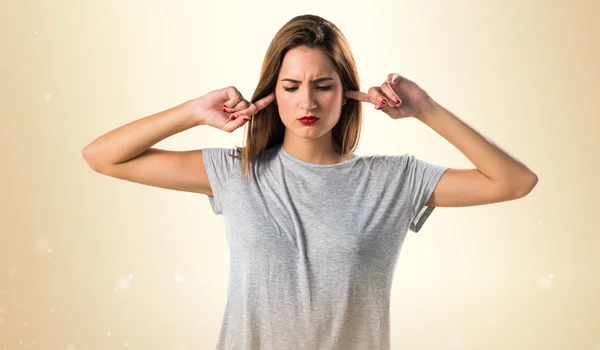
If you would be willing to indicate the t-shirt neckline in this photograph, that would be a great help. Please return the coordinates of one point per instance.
(282, 152)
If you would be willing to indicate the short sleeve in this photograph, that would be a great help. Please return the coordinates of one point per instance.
(219, 165)
(421, 180)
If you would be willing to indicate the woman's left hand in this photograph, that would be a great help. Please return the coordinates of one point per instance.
(397, 97)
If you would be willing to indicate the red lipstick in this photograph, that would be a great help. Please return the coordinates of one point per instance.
(308, 119)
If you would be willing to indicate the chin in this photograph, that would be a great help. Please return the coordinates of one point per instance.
(312, 133)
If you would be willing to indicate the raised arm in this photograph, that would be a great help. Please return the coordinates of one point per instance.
(126, 152)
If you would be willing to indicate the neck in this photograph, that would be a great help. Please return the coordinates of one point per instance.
(316, 151)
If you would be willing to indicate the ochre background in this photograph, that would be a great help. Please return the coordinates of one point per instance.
(92, 262)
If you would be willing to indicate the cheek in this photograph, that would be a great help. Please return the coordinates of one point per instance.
(334, 97)
(287, 103)
(331, 101)
(286, 109)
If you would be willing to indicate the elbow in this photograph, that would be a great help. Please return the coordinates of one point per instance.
(526, 185)
(86, 154)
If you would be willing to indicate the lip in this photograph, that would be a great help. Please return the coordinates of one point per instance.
(307, 120)
(309, 117)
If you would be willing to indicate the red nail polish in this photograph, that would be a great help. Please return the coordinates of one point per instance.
(246, 119)
(397, 102)
(232, 117)
(224, 109)
(384, 101)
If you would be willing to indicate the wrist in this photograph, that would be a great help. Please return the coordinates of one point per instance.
(195, 111)
(427, 108)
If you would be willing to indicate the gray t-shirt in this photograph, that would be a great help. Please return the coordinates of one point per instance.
(313, 247)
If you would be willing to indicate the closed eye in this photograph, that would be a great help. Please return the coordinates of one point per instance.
(322, 88)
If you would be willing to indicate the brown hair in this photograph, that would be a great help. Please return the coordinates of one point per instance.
(266, 130)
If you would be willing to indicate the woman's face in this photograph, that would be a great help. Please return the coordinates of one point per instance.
(308, 85)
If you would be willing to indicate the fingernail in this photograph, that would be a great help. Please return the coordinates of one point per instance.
(397, 102)
(246, 119)
(384, 101)
(232, 117)
(224, 109)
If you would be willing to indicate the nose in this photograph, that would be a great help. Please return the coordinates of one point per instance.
(308, 102)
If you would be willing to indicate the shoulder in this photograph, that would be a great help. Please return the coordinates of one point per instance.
(387, 160)
(400, 165)
(221, 154)
(231, 158)
(221, 151)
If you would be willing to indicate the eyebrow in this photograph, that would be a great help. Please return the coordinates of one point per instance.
(312, 81)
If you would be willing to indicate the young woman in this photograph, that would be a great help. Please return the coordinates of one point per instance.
(314, 230)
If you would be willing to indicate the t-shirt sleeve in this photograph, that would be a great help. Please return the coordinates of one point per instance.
(219, 165)
(421, 180)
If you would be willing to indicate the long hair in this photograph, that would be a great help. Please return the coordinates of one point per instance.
(265, 128)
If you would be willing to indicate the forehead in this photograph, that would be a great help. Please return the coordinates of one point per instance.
(305, 63)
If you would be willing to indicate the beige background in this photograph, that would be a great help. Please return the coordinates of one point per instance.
(92, 262)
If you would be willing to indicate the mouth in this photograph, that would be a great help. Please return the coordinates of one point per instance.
(308, 119)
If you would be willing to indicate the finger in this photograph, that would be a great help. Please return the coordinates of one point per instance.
(392, 110)
(235, 121)
(393, 79)
(389, 110)
(264, 102)
(235, 97)
(378, 97)
(392, 97)
(358, 95)
(258, 105)
(243, 104)
(232, 126)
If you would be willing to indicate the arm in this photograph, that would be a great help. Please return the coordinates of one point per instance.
(498, 176)
(132, 139)
(125, 153)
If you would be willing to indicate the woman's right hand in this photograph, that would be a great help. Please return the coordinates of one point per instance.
(216, 107)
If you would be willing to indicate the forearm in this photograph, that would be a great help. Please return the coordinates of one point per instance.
(489, 159)
(132, 139)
